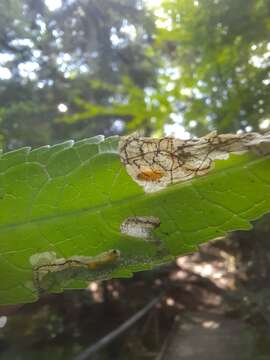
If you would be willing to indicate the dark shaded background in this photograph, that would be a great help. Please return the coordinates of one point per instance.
(77, 68)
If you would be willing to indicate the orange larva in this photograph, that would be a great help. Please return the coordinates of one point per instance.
(103, 259)
(150, 175)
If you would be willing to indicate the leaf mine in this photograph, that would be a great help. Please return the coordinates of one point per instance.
(47, 262)
(157, 163)
(140, 226)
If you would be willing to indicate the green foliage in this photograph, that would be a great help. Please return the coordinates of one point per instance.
(127, 101)
(203, 64)
(52, 57)
(212, 68)
(72, 198)
(220, 49)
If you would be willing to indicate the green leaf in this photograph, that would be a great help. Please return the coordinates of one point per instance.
(72, 198)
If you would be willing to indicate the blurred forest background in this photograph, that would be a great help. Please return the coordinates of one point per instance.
(78, 68)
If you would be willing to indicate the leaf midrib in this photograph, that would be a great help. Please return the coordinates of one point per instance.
(118, 203)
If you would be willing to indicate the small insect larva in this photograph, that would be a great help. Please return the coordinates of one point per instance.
(103, 259)
(150, 175)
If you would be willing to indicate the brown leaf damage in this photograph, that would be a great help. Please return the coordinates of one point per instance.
(157, 163)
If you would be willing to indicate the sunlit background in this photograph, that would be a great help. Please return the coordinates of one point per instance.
(73, 69)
